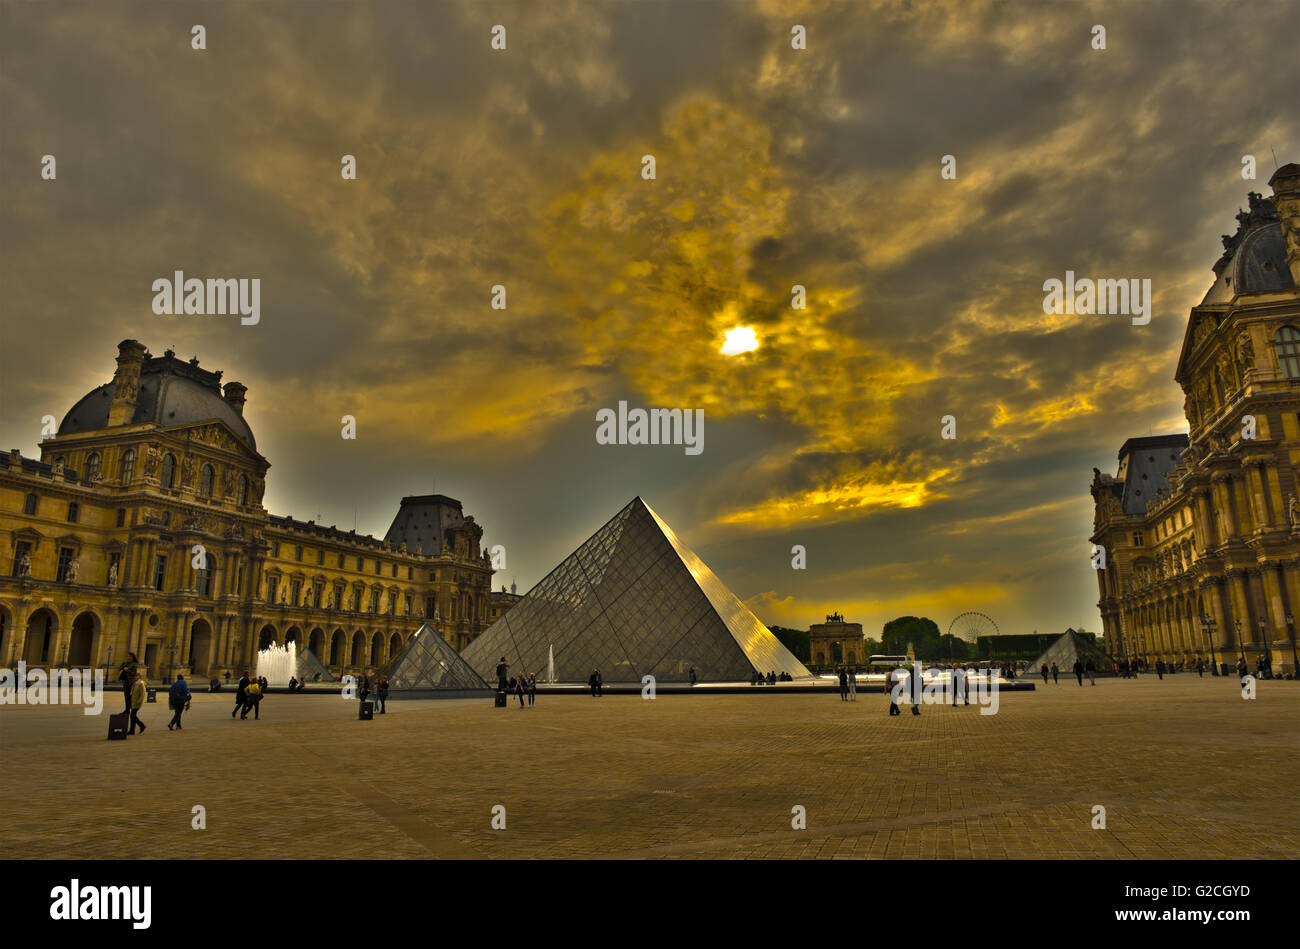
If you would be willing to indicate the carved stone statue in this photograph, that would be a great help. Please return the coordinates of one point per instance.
(227, 483)
(402, 549)
(1293, 511)
(284, 596)
(112, 574)
(152, 457)
(73, 567)
(25, 565)
(188, 465)
(1245, 353)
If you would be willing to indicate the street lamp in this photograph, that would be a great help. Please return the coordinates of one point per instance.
(171, 659)
(1263, 638)
(1241, 650)
(1290, 630)
(1208, 624)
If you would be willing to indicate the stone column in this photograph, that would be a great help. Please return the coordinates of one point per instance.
(1255, 493)
(1226, 524)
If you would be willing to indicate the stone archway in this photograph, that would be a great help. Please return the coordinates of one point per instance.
(358, 653)
(39, 643)
(337, 642)
(395, 646)
(267, 637)
(294, 635)
(316, 642)
(377, 650)
(200, 657)
(81, 639)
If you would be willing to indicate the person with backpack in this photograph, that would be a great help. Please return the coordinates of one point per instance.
(178, 696)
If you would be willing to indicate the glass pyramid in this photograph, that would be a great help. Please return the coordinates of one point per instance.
(632, 600)
(309, 667)
(430, 662)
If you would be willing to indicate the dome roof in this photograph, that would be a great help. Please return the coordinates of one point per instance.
(171, 393)
(1254, 258)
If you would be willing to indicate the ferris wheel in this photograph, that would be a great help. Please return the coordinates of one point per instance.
(971, 626)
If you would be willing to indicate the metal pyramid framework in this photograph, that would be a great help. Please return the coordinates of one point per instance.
(1070, 646)
(430, 663)
(632, 600)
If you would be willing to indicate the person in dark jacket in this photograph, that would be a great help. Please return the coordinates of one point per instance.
(1200, 668)
(1044, 671)
(381, 693)
(241, 695)
(891, 680)
(1078, 672)
(126, 675)
(502, 670)
(532, 689)
(178, 696)
(591, 681)
(844, 684)
(521, 686)
(694, 678)
(1160, 669)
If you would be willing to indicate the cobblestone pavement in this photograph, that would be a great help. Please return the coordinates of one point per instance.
(1185, 768)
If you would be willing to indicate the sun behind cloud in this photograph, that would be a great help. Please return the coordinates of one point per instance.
(742, 339)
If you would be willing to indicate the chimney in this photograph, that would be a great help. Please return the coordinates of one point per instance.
(126, 382)
(1286, 198)
(235, 395)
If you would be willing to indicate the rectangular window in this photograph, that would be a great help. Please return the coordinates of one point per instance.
(65, 558)
(22, 549)
(341, 564)
(29, 506)
(379, 569)
(361, 565)
(295, 591)
(275, 550)
(408, 604)
(392, 604)
(239, 581)
(1137, 538)
(320, 558)
(394, 570)
(74, 510)
(297, 553)
(374, 601)
(121, 517)
(271, 584)
(159, 571)
(338, 597)
(430, 606)
(410, 573)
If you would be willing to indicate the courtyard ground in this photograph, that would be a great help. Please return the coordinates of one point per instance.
(1185, 768)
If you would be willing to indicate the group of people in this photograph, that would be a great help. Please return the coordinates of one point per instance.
(380, 688)
(135, 693)
(248, 697)
(757, 678)
(526, 685)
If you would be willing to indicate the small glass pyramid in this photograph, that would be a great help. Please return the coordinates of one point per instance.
(430, 662)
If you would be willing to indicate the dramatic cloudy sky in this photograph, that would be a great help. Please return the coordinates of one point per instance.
(775, 167)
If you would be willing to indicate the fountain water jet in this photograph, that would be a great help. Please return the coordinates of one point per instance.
(278, 663)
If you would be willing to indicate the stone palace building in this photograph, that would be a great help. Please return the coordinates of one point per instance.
(141, 529)
(1202, 530)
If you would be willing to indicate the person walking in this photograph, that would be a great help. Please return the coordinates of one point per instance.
(890, 681)
(844, 684)
(1160, 669)
(138, 692)
(252, 701)
(521, 686)
(1044, 671)
(600, 685)
(363, 690)
(178, 696)
(532, 689)
(241, 695)
(593, 681)
(853, 685)
(126, 675)
(917, 685)
(1091, 669)
(1056, 674)
(381, 693)
(1078, 672)
(1200, 668)
(693, 676)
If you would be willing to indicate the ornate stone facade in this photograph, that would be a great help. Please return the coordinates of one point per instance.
(141, 529)
(1202, 531)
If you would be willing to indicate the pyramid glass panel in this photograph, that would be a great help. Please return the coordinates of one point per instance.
(632, 600)
(430, 662)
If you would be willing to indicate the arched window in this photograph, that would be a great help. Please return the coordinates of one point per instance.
(92, 466)
(168, 478)
(1287, 344)
(128, 466)
(205, 481)
(243, 490)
